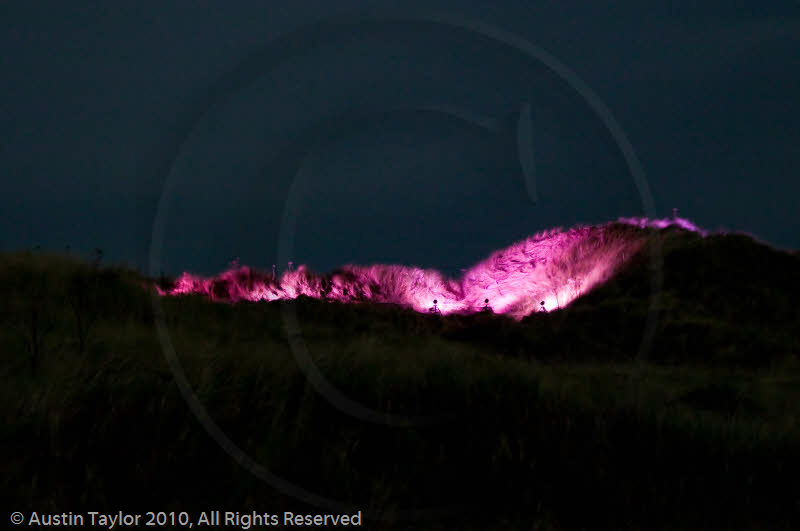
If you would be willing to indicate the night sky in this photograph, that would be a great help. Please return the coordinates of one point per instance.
(401, 139)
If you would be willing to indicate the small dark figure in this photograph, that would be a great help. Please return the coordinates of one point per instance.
(98, 257)
(542, 308)
(434, 308)
(486, 307)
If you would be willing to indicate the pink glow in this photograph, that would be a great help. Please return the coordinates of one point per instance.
(554, 266)
(664, 223)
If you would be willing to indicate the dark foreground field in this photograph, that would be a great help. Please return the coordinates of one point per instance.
(555, 422)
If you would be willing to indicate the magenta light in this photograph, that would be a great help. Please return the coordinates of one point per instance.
(554, 266)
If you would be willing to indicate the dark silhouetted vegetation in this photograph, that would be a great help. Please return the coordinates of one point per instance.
(555, 422)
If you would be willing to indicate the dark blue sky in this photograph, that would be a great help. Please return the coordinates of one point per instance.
(100, 102)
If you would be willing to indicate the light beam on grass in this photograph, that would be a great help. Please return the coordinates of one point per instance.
(555, 266)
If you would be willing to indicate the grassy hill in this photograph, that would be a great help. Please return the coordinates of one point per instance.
(555, 422)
